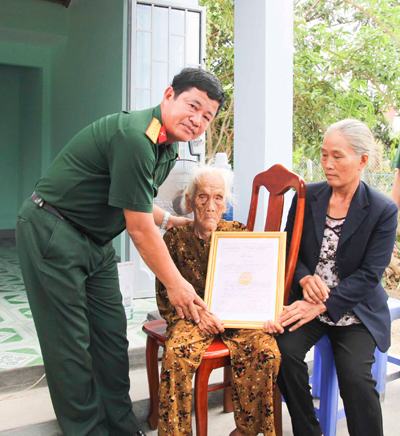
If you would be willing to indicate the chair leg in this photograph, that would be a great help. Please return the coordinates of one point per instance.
(228, 406)
(316, 376)
(201, 397)
(379, 369)
(278, 411)
(328, 409)
(153, 380)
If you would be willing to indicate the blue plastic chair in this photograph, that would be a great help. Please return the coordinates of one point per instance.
(325, 383)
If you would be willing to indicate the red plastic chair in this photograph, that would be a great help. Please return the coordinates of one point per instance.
(277, 180)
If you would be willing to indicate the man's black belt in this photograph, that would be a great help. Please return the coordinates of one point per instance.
(37, 199)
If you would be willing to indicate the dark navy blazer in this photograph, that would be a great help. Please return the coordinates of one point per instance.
(364, 251)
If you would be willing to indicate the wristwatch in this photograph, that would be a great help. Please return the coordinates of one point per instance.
(165, 221)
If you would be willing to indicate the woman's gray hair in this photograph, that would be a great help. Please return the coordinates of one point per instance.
(361, 138)
(202, 170)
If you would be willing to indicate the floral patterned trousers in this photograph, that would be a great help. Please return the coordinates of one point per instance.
(255, 360)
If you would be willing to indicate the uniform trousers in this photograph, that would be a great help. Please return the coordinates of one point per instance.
(73, 291)
(353, 348)
(255, 360)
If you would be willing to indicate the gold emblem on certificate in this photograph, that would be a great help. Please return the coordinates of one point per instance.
(245, 278)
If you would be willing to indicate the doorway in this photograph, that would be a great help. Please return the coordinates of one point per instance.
(21, 91)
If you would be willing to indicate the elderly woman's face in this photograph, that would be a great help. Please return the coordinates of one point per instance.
(341, 164)
(209, 203)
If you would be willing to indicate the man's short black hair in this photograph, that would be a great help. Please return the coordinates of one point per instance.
(202, 80)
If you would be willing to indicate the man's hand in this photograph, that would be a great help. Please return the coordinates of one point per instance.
(300, 311)
(273, 328)
(175, 221)
(210, 323)
(314, 289)
(183, 297)
(152, 248)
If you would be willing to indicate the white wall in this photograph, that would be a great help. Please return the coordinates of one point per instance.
(263, 94)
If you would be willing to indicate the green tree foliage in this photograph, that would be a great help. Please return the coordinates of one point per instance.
(220, 51)
(346, 64)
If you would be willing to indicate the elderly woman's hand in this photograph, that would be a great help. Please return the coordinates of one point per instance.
(314, 289)
(209, 323)
(300, 311)
(273, 328)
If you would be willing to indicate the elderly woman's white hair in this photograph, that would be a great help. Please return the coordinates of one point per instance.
(361, 138)
(198, 174)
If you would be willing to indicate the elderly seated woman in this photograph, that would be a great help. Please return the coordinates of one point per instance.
(255, 357)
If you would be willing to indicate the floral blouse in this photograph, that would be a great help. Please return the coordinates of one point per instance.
(190, 255)
(327, 268)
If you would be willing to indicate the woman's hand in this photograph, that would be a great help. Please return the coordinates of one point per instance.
(273, 328)
(174, 221)
(300, 311)
(314, 289)
(209, 323)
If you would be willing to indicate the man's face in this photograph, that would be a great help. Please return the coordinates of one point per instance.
(187, 116)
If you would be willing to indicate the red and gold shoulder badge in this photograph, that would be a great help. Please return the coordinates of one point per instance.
(156, 132)
(153, 130)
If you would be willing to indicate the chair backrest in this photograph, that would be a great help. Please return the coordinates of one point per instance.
(278, 180)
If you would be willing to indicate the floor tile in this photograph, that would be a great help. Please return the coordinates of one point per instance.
(19, 345)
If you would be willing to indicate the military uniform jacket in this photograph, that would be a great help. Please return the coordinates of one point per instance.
(111, 165)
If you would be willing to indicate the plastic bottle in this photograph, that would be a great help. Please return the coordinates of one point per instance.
(221, 161)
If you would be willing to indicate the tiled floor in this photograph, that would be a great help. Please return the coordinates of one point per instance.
(19, 344)
(18, 341)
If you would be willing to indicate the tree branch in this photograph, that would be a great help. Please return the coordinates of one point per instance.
(385, 96)
(209, 138)
(320, 125)
(315, 84)
(228, 74)
(379, 23)
(311, 8)
(223, 127)
(325, 48)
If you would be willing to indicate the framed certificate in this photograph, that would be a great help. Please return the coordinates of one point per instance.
(245, 277)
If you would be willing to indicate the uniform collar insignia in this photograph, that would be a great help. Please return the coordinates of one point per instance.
(162, 136)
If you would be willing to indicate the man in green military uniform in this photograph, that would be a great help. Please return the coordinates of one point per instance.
(102, 182)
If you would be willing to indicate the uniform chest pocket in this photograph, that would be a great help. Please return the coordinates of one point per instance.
(161, 173)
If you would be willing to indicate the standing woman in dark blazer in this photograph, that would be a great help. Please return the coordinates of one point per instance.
(347, 241)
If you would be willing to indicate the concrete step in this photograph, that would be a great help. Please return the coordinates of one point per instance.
(220, 423)
(15, 380)
(25, 404)
(30, 413)
(45, 429)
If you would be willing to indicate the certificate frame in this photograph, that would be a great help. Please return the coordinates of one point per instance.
(271, 280)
